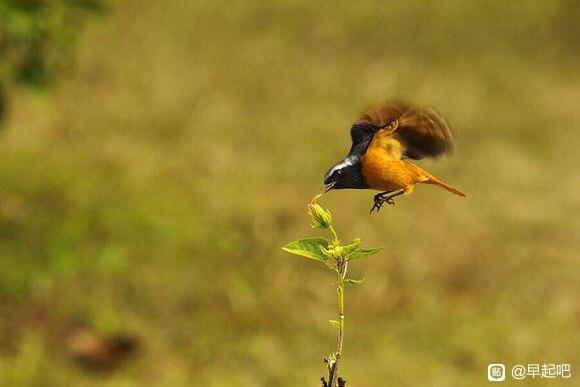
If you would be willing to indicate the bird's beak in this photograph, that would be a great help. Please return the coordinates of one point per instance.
(327, 187)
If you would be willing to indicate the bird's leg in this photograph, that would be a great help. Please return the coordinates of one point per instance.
(385, 197)
(390, 197)
(379, 200)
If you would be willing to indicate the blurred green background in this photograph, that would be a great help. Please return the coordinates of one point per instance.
(154, 156)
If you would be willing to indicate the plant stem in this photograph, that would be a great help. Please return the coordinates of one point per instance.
(334, 236)
(343, 267)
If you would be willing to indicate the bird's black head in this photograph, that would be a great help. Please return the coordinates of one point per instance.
(345, 174)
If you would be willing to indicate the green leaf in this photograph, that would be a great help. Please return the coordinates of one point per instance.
(308, 248)
(354, 282)
(352, 246)
(335, 323)
(363, 253)
(327, 252)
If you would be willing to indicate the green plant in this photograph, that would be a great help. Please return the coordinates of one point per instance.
(336, 257)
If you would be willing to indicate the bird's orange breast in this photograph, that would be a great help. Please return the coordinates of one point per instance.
(383, 173)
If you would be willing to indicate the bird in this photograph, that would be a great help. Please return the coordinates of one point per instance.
(384, 141)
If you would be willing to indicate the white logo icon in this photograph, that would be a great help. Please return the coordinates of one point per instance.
(496, 372)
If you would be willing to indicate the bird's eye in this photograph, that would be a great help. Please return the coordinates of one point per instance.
(339, 172)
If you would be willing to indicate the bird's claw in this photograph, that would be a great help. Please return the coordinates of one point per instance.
(377, 204)
(379, 201)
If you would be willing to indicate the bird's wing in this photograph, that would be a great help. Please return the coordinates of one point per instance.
(420, 132)
(423, 133)
(363, 130)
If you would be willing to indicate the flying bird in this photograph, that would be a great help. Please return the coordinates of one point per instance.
(384, 140)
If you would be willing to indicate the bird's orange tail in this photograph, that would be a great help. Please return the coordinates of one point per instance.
(434, 180)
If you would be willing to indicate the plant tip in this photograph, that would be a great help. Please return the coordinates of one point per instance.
(315, 198)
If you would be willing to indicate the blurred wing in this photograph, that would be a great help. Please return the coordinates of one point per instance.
(423, 133)
(364, 129)
(420, 132)
(382, 115)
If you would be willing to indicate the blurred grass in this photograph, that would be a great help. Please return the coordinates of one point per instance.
(152, 189)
